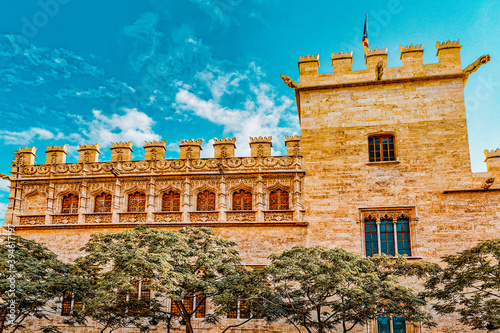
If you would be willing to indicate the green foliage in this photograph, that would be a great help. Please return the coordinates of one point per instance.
(191, 261)
(322, 289)
(470, 285)
(30, 277)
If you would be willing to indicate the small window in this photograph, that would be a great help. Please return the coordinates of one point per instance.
(205, 201)
(171, 202)
(103, 203)
(242, 200)
(70, 204)
(278, 200)
(381, 148)
(136, 202)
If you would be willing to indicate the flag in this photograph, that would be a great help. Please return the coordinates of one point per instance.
(365, 37)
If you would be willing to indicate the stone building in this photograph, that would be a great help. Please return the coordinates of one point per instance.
(382, 165)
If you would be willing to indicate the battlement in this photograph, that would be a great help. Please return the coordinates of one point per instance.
(122, 144)
(309, 58)
(449, 63)
(261, 146)
(292, 144)
(25, 156)
(191, 141)
(224, 148)
(56, 154)
(89, 153)
(153, 151)
(493, 160)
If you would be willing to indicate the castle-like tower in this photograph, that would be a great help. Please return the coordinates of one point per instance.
(382, 166)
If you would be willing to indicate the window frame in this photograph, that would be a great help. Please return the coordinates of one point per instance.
(208, 192)
(239, 192)
(137, 192)
(279, 208)
(382, 135)
(106, 194)
(167, 192)
(395, 215)
(72, 209)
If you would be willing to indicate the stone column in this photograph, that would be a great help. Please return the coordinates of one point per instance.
(117, 201)
(82, 207)
(151, 201)
(185, 200)
(222, 199)
(260, 199)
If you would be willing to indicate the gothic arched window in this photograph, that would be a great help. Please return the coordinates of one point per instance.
(136, 202)
(278, 200)
(171, 202)
(103, 203)
(242, 200)
(70, 204)
(205, 201)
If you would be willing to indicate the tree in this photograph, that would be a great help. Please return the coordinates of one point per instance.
(469, 284)
(114, 267)
(176, 265)
(203, 263)
(321, 289)
(31, 277)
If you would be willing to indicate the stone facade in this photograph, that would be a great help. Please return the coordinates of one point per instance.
(333, 184)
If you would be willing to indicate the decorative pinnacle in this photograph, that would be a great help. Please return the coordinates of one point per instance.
(492, 153)
(29, 150)
(57, 148)
(192, 142)
(121, 145)
(261, 139)
(376, 51)
(224, 141)
(89, 146)
(155, 143)
(341, 55)
(309, 58)
(448, 45)
(411, 48)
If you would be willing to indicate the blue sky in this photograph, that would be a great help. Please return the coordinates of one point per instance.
(74, 71)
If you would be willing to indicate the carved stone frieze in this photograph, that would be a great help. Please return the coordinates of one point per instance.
(168, 217)
(32, 220)
(65, 219)
(213, 165)
(278, 216)
(240, 216)
(98, 218)
(133, 217)
(204, 216)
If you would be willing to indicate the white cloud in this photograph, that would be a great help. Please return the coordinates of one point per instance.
(260, 111)
(25, 64)
(25, 137)
(4, 185)
(132, 125)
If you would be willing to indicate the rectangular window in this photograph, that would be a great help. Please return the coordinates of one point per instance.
(387, 231)
(384, 324)
(201, 306)
(70, 303)
(381, 148)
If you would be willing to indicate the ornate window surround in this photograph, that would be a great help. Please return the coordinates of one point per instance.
(379, 213)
